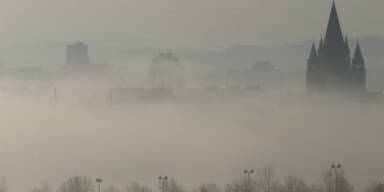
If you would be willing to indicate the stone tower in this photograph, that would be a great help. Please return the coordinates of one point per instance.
(330, 67)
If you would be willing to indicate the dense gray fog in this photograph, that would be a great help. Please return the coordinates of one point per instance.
(196, 90)
(194, 137)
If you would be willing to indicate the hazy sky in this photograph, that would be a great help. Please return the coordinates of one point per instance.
(182, 23)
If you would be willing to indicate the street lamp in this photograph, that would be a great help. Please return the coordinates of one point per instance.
(248, 172)
(335, 167)
(163, 181)
(99, 180)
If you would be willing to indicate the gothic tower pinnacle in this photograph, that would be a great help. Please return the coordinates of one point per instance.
(330, 67)
(358, 73)
(334, 33)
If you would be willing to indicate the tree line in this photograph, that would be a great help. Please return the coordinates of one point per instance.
(332, 180)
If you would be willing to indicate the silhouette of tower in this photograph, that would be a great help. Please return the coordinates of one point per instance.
(358, 74)
(330, 67)
(312, 72)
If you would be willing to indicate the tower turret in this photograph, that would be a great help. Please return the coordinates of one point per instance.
(358, 59)
(312, 68)
(321, 46)
(358, 73)
(347, 50)
(313, 54)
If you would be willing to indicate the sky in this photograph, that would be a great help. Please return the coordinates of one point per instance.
(196, 24)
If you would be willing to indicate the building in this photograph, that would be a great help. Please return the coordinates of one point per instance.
(263, 66)
(166, 70)
(77, 54)
(330, 67)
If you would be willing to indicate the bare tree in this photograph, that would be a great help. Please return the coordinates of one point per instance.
(316, 188)
(210, 187)
(239, 186)
(376, 187)
(267, 182)
(111, 188)
(135, 187)
(333, 182)
(295, 184)
(77, 184)
(173, 186)
(243, 185)
(43, 188)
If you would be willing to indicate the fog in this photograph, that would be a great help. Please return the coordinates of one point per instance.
(195, 90)
(194, 138)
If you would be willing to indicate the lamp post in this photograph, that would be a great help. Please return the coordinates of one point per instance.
(99, 180)
(335, 167)
(247, 173)
(163, 181)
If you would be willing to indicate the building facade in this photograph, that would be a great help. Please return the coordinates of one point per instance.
(330, 66)
(77, 54)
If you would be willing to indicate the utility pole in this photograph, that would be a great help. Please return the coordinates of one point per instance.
(247, 174)
(335, 167)
(267, 181)
(99, 180)
(163, 182)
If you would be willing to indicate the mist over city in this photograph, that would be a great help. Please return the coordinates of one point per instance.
(191, 96)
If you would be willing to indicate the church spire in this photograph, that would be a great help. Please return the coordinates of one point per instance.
(330, 67)
(321, 44)
(358, 59)
(313, 53)
(312, 60)
(358, 73)
(347, 49)
(334, 32)
(346, 41)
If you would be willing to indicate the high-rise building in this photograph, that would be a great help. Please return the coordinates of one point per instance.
(330, 67)
(77, 54)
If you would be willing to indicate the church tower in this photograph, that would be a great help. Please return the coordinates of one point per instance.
(330, 67)
(335, 58)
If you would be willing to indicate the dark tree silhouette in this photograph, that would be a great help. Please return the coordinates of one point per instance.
(135, 187)
(111, 188)
(77, 184)
(210, 187)
(295, 184)
(333, 183)
(376, 187)
(173, 186)
(43, 188)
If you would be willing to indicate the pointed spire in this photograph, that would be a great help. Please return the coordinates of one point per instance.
(346, 43)
(321, 45)
(358, 54)
(346, 40)
(358, 69)
(312, 60)
(313, 53)
(334, 32)
(358, 59)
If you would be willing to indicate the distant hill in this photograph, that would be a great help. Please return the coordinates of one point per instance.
(292, 55)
